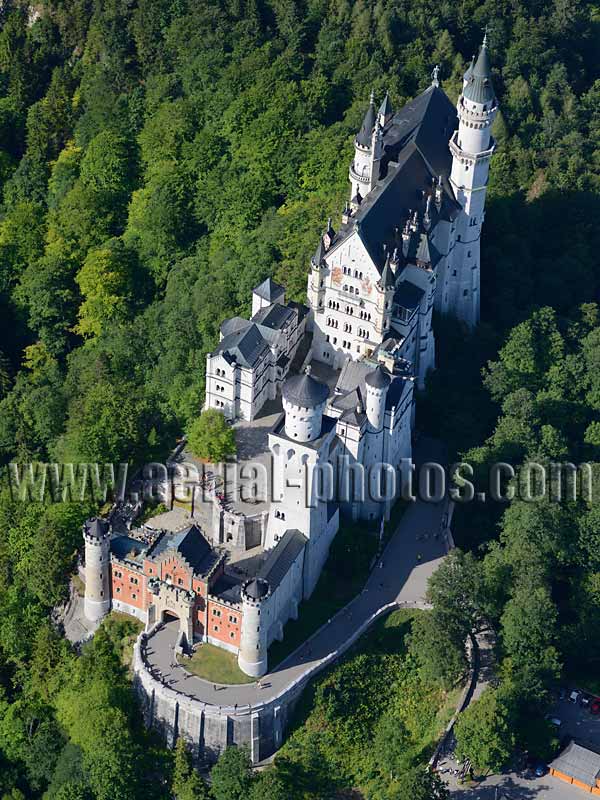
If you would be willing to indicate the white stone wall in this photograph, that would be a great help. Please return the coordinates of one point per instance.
(349, 323)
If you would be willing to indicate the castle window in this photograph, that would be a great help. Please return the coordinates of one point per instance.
(133, 596)
(180, 581)
(468, 254)
(465, 293)
(118, 590)
(216, 628)
(232, 635)
(454, 273)
(233, 619)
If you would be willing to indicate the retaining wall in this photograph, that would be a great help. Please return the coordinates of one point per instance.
(209, 728)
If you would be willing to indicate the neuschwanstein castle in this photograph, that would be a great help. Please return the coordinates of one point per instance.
(334, 380)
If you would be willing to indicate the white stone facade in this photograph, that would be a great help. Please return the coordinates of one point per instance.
(254, 356)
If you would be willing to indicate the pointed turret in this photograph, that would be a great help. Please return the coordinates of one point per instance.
(387, 280)
(385, 112)
(317, 259)
(364, 135)
(478, 78)
(423, 255)
(329, 234)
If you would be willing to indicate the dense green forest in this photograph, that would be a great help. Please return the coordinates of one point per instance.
(158, 159)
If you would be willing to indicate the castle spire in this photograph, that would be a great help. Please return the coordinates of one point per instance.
(385, 112)
(364, 135)
(478, 78)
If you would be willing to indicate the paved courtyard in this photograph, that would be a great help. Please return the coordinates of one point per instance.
(402, 578)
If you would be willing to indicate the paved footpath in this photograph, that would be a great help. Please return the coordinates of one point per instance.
(403, 578)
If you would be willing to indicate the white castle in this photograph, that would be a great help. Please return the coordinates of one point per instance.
(340, 372)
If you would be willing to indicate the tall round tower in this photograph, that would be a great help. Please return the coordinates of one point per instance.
(97, 569)
(360, 168)
(377, 383)
(472, 147)
(304, 401)
(252, 657)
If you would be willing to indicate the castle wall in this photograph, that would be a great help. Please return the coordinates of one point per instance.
(224, 625)
(128, 585)
(208, 728)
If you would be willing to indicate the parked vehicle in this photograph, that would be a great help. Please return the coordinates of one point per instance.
(574, 696)
(562, 694)
(554, 721)
(585, 700)
(540, 769)
(595, 705)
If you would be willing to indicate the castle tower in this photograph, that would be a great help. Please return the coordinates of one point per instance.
(377, 383)
(385, 288)
(472, 147)
(368, 149)
(97, 569)
(253, 654)
(304, 400)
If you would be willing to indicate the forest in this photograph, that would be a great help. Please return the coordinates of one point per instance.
(159, 158)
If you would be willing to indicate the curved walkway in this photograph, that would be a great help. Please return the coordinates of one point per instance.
(402, 580)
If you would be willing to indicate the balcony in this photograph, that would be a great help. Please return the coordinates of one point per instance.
(364, 179)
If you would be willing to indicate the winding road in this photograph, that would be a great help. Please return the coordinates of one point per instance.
(411, 556)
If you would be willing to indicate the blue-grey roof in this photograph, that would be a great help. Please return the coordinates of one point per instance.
(281, 558)
(364, 135)
(269, 290)
(304, 390)
(350, 389)
(578, 762)
(257, 588)
(125, 548)
(96, 527)
(415, 153)
(190, 544)
(274, 316)
(379, 378)
(479, 87)
(245, 346)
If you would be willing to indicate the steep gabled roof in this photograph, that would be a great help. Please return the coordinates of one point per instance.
(244, 347)
(190, 544)
(415, 153)
(281, 557)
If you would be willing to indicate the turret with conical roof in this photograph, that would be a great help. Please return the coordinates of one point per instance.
(472, 147)
(304, 399)
(478, 78)
(363, 137)
(252, 656)
(368, 149)
(377, 385)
